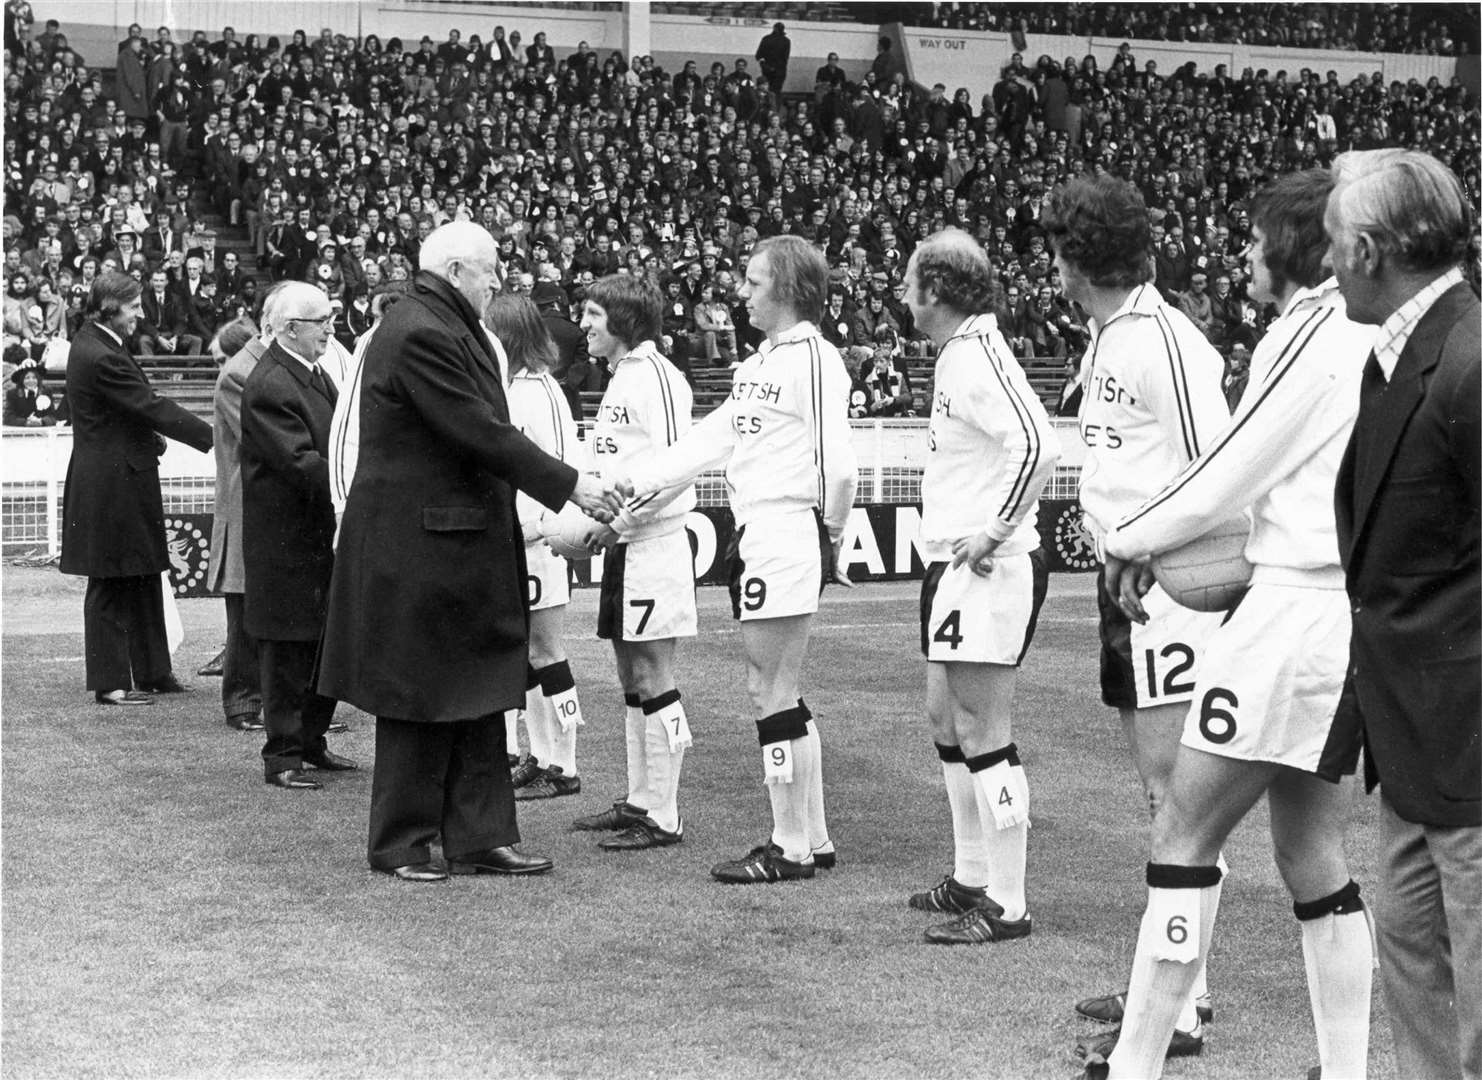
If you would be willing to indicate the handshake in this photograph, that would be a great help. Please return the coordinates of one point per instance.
(600, 501)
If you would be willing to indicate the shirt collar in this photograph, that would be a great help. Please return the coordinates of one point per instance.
(980, 325)
(1305, 299)
(1395, 331)
(644, 350)
(792, 334)
(307, 363)
(109, 331)
(1143, 300)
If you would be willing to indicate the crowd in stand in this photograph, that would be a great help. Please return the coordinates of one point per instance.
(1436, 29)
(337, 156)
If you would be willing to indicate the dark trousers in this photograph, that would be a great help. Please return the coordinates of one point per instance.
(449, 778)
(241, 685)
(294, 715)
(123, 630)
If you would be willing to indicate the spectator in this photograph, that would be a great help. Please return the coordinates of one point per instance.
(1196, 304)
(772, 55)
(27, 404)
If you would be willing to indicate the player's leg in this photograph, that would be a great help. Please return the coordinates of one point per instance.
(552, 710)
(967, 886)
(1206, 797)
(775, 652)
(982, 697)
(647, 668)
(1308, 816)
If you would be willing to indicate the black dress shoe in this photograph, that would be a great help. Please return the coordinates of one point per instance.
(168, 685)
(215, 667)
(295, 779)
(330, 762)
(500, 860)
(245, 722)
(122, 697)
(418, 872)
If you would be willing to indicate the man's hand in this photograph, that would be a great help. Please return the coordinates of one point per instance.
(624, 488)
(840, 571)
(601, 538)
(977, 551)
(596, 499)
(1127, 583)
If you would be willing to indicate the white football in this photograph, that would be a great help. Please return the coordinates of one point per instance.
(566, 533)
(1210, 573)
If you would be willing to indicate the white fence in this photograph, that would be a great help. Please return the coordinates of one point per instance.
(33, 470)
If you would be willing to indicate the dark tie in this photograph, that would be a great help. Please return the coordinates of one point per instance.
(323, 385)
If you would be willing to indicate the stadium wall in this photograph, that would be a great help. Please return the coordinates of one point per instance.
(954, 58)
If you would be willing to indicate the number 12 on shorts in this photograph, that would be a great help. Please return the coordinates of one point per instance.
(777, 763)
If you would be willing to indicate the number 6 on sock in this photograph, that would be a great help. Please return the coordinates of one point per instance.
(1173, 916)
(777, 763)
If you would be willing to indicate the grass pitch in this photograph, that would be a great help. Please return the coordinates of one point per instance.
(166, 914)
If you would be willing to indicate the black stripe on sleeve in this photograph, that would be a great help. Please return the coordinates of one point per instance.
(1031, 434)
(1290, 354)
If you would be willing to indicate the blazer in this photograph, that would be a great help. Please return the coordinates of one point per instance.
(113, 518)
(287, 516)
(226, 574)
(427, 617)
(1407, 509)
(168, 318)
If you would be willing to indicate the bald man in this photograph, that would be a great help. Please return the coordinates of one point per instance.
(428, 624)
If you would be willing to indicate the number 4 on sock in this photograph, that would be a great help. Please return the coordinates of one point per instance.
(1173, 924)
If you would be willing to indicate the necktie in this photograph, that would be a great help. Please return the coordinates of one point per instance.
(322, 384)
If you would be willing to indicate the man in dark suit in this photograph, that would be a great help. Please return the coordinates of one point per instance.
(241, 689)
(113, 518)
(165, 327)
(572, 366)
(1407, 507)
(288, 532)
(428, 623)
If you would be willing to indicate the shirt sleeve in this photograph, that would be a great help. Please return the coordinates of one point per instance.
(667, 409)
(1003, 406)
(838, 469)
(1281, 425)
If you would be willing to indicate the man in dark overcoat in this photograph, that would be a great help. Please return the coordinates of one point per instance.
(1409, 494)
(288, 532)
(428, 623)
(113, 518)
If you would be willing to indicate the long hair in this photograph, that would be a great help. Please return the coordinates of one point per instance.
(634, 306)
(799, 274)
(1100, 225)
(110, 292)
(1289, 213)
(516, 321)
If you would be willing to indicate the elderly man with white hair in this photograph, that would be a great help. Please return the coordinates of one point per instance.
(428, 624)
(1408, 504)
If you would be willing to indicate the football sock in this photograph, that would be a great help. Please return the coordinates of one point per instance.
(1339, 955)
(970, 852)
(666, 735)
(537, 723)
(818, 838)
(560, 688)
(787, 759)
(512, 732)
(1003, 813)
(1188, 1017)
(1174, 936)
(636, 726)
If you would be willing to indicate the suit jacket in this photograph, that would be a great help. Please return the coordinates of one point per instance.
(287, 516)
(113, 518)
(226, 573)
(427, 614)
(168, 318)
(1407, 509)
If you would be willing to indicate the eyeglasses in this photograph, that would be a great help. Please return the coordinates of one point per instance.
(324, 322)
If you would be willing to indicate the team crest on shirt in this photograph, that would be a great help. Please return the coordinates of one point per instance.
(1073, 541)
(189, 548)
